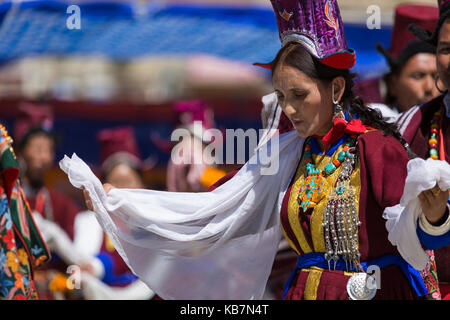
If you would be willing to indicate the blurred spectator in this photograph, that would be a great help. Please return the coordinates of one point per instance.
(108, 277)
(191, 173)
(36, 155)
(412, 65)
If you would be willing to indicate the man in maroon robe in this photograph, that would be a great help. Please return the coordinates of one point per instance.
(416, 129)
(416, 124)
(412, 66)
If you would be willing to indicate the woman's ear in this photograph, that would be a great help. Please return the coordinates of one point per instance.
(338, 84)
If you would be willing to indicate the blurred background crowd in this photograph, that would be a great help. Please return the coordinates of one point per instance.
(114, 89)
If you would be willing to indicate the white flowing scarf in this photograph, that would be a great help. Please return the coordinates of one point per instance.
(402, 219)
(209, 245)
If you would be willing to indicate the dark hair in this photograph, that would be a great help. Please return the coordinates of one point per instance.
(389, 98)
(298, 57)
(37, 131)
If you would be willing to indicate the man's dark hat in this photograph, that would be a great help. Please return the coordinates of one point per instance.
(404, 45)
(426, 35)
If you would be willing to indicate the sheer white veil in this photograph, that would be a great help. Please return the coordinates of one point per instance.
(209, 245)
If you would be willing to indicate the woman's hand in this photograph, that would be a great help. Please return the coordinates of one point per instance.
(87, 199)
(88, 268)
(434, 203)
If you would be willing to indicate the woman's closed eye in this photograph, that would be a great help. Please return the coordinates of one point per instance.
(299, 95)
(294, 94)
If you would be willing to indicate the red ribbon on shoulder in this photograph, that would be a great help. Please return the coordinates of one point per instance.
(9, 177)
(341, 127)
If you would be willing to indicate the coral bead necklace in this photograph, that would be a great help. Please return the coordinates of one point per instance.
(436, 141)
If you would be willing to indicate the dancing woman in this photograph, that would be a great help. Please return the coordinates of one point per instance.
(338, 171)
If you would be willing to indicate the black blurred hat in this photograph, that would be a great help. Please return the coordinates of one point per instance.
(413, 48)
(432, 37)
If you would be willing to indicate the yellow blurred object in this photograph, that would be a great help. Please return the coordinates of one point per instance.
(58, 283)
(211, 176)
(108, 244)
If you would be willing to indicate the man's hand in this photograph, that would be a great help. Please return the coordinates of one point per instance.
(434, 203)
(87, 199)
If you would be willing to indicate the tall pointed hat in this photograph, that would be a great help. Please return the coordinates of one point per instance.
(317, 26)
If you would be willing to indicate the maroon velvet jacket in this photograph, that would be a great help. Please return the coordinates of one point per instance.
(383, 173)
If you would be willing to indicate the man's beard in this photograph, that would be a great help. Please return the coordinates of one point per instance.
(35, 181)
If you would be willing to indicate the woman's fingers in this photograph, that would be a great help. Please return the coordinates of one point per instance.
(436, 194)
(433, 203)
(87, 200)
(87, 267)
(436, 190)
(443, 196)
(424, 199)
(430, 196)
(108, 187)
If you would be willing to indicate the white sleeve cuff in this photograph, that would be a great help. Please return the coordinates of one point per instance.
(433, 230)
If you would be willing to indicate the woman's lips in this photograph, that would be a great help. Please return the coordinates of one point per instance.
(297, 122)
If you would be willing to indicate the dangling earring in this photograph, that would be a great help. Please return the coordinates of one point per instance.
(338, 111)
(437, 86)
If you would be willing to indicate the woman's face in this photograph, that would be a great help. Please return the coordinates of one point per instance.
(443, 54)
(307, 102)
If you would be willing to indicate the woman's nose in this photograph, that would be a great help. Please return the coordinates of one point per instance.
(289, 109)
